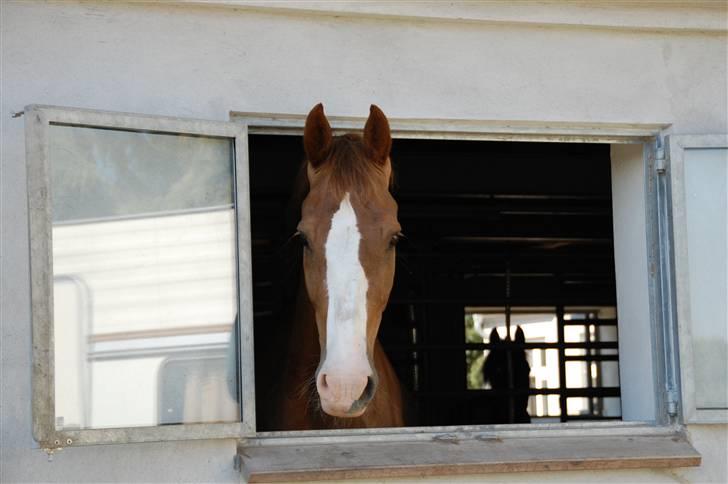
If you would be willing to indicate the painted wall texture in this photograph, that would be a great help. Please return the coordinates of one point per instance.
(203, 61)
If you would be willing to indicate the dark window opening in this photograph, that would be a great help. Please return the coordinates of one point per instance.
(499, 235)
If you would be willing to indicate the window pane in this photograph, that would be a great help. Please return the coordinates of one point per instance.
(144, 270)
(706, 205)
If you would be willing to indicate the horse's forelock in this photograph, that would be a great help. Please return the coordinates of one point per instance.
(349, 166)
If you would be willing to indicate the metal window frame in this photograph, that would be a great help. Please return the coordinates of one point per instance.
(646, 134)
(38, 120)
(677, 145)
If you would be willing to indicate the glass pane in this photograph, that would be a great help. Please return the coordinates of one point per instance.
(706, 205)
(145, 275)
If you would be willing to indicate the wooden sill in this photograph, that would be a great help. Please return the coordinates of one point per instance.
(286, 463)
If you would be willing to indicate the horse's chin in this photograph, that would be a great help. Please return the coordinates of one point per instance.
(339, 411)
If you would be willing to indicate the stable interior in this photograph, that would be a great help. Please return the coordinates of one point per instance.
(499, 235)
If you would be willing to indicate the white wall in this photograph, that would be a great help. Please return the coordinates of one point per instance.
(205, 61)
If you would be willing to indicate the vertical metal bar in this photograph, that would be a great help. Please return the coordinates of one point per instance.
(562, 360)
(245, 281)
(509, 353)
(508, 299)
(37, 127)
(666, 293)
(589, 361)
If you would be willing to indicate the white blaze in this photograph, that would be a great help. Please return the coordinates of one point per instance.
(346, 282)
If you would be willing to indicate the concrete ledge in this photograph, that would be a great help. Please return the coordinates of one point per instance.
(438, 457)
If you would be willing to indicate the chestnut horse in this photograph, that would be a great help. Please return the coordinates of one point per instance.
(338, 376)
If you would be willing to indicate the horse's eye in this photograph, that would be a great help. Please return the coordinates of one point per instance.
(395, 239)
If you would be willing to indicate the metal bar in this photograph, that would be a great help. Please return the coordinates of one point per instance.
(562, 361)
(470, 301)
(590, 358)
(592, 417)
(511, 130)
(595, 322)
(488, 346)
(569, 392)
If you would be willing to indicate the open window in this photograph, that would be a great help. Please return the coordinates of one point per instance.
(594, 324)
(144, 267)
(500, 235)
(139, 233)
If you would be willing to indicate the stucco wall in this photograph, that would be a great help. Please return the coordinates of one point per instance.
(194, 61)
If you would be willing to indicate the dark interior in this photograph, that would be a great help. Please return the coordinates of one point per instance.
(487, 224)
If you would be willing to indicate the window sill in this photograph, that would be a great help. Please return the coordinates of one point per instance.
(455, 456)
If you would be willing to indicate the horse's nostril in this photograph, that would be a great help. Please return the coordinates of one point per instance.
(322, 383)
(368, 392)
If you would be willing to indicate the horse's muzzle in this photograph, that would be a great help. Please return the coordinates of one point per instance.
(345, 396)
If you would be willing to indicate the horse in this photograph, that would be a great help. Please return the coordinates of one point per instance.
(506, 368)
(337, 374)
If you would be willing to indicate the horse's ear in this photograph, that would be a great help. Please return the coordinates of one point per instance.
(317, 136)
(520, 337)
(494, 336)
(377, 135)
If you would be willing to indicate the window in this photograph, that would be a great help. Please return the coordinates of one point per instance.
(179, 355)
(139, 236)
(489, 225)
(699, 174)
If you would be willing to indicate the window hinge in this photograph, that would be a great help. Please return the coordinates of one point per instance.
(660, 160)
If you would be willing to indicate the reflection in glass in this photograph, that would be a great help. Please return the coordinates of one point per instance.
(144, 271)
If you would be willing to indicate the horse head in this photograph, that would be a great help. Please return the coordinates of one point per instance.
(349, 230)
(506, 368)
